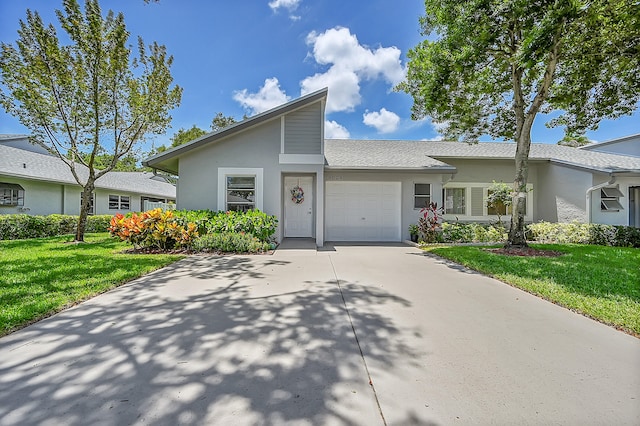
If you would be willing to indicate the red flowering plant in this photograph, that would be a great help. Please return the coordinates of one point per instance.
(429, 223)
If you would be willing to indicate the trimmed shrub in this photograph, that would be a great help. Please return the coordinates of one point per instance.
(230, 242)
(254, 222)
(584, 233)
(21, 226)
(98, 223)
(471, 233)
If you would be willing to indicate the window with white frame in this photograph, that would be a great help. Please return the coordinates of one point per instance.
(610, 199)
(421, 195)
(455, 201)
(119, 202)
(468, 201)
(240, 193)
(11, 194)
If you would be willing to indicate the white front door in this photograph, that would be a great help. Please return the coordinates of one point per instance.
(298, 206)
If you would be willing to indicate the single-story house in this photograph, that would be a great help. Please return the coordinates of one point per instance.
(627, 145)
(372, 190)
(35, 182)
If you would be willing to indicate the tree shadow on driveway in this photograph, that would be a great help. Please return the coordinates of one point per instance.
(206, 340)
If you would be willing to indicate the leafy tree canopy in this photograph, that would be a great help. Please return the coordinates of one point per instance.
(574, 140)
(490, 66)
(182, 136)
(90, 97)
(220, 121)
(486, 62)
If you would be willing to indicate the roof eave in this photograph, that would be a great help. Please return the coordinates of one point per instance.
(378, 168)
(594, 168)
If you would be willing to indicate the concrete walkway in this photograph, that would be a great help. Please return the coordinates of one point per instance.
(269, 340)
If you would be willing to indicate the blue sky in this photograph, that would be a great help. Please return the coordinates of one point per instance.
(243, 57)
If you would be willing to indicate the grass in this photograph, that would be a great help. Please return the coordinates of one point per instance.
(43, 276)
(600, 282)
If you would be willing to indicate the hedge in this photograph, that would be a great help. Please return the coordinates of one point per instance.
(254, 222)
(199, 230)
(21, 226)
(584, 233)
(543, 232)
(230, 242)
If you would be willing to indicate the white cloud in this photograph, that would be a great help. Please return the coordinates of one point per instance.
(290, 5)
(344, 88)
(269, 96)
(383, 121)
(333, 130)
(349, 63)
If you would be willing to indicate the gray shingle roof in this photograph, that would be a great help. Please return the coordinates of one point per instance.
(371, 154)
(24, 164)
(384, 153)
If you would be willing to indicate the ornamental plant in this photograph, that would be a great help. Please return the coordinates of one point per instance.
(153, 229)
(499, 195)
(429, 222)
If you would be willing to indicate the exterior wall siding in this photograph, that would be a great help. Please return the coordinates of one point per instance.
(258, 147)
(626, 146)
(561, 194)
(40, 198)
(620, 217)
(45, 198)
(303, 132)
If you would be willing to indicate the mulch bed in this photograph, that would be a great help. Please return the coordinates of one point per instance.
(525, 251)
(188, 252)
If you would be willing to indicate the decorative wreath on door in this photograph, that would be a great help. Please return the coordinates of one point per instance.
(297, 195)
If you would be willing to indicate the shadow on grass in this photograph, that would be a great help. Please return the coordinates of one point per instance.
(203, 341)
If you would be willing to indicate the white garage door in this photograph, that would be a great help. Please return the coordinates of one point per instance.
(362, 211)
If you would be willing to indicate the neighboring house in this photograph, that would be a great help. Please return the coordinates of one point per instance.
(34, 182)
(628, 145)
(370, 190)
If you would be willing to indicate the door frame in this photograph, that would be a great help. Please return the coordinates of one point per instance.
(286, 197)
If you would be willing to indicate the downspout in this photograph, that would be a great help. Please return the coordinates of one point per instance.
(612, 180)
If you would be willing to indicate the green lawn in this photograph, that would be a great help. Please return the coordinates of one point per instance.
(43, 276)
(600, 282)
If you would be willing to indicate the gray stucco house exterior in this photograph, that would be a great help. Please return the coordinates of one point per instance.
(34, 182)
(372, 190)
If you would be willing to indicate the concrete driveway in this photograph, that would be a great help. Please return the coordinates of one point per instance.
(357, 335)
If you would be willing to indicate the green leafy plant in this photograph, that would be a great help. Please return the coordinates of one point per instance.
(471, 233)
(584, 233)
(499, 196)
(230, 242)
(22, 226)
(254, 222)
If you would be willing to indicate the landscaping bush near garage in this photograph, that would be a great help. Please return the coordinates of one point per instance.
(230, 242)
(23, 226)
(542, 232)
(584, 233)
(254, 222)
(202, 230)
(471, 233)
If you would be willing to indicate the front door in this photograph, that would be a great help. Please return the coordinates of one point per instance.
(298, 206)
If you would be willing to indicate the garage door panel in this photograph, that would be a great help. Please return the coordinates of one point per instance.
(363, 211)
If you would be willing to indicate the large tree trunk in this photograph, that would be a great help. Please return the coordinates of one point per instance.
(517, 237)
(87, 194)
